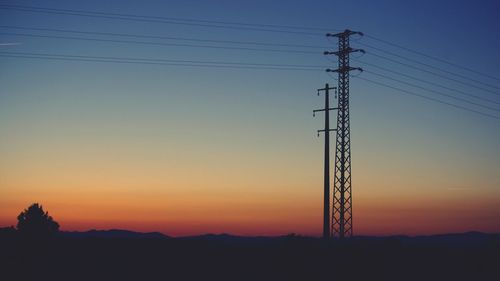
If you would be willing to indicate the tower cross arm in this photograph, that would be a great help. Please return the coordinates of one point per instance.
(345, 51)
(326, 89)
(319, 110)
(329, 130)
(345, 69)
(345, 33)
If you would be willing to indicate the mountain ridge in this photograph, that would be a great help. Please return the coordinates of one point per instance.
(123, 233)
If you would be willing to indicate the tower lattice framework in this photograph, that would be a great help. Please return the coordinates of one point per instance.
(342, 225)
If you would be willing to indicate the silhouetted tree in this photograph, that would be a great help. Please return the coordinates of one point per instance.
(34, 221)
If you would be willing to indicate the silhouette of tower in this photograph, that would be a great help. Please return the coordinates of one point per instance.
(326, 130)
(342, 194)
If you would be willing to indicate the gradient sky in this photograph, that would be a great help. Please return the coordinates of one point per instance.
(186, 150)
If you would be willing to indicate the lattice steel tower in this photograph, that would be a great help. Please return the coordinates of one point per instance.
(342, 194)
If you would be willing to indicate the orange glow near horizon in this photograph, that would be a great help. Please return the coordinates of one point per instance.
(255, 213)
(209, 190)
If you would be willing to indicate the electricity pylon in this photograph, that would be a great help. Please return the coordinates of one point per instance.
(342, 191)
(326, 130)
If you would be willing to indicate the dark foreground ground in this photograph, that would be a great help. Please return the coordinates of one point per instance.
(471, 256)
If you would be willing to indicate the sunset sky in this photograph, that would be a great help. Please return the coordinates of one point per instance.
(191, 150)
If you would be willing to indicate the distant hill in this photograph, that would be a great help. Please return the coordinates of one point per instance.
(113, 233)
(471, 237)
(451, 238)
(236, 239)
(459, 238)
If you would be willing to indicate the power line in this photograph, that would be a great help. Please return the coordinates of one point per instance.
(432, 57)
(194, 22)
(235, 25)
(172, 18)
(428, 65)
(144, 19)
(433, 91)
(161, 37)
(157, 43)
(434, 73)
(160, 61)
(163, 60)
(428, 98)
(428, 82)
(156, 63)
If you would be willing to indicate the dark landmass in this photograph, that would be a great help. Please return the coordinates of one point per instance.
(127, 255)
(112, 233)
